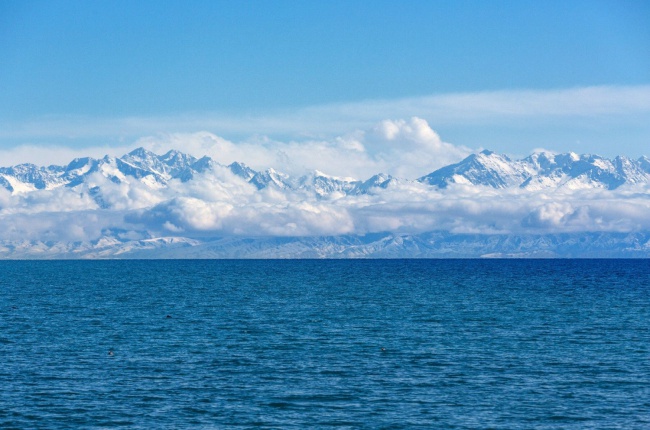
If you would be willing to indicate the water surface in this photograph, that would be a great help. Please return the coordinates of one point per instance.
(345, 344)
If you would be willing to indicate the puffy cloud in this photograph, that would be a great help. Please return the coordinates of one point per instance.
(405, 148)
(63, 226)
(289, 218)
(56, 200)
(131, 194)
(476, 210)
(416, 131)
(551, 214)
(208, 206)
(5, 198)
(411, 148)
(186, 213)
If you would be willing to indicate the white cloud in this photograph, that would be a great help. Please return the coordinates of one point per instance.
(123, 196)
(337, 118)
(617, 106)
(56, 200)
(411, 148)
(405, 148)
(60, 226)
(211, 205)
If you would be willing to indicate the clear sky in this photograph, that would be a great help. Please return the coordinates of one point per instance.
(507, 75)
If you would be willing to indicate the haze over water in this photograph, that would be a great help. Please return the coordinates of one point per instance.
(303, 343)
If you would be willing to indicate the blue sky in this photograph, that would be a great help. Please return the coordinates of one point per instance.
(507, 75)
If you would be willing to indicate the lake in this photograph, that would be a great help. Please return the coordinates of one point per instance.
(325, 344)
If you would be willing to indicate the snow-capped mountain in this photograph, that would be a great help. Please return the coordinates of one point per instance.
(28, 177)
(156, 171)
(536, 172)
(144, 205)
(542, 171)
(485, 168)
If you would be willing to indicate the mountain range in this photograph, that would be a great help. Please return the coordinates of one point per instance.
(538, 171)
(91, 180)
(156, 171)
(542, 170)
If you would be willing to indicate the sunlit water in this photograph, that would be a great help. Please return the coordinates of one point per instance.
(309, 344)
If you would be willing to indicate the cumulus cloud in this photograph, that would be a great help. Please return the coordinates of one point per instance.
(503, 211)
(411, 148)
(212, 206)
(63, 226)
(405, 148)
(56, 200)
(208, 206)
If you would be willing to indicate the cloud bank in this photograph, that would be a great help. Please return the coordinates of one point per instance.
(587, 113)
(208, 209)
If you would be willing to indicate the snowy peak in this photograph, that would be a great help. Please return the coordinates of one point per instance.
(242, 170)
(28, 176)
(324, 185)
(574, 171)
(377, 182)
(78, 169)
(177, 162)
(633, 172)
(185, 167)
(165, 167)
(485, 168)
(271, 177)
(147, 160)
(644, 164)
(541, 170)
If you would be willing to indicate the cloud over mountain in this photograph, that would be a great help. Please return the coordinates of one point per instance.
(405, 148)
(109, 202)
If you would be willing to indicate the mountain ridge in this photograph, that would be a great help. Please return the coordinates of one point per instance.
(175, 205)
(538, 171)
(542, 170)
(434, 244)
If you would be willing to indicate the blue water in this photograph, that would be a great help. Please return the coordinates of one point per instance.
(317, 344)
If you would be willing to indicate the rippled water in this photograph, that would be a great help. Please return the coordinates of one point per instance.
(298, 344)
